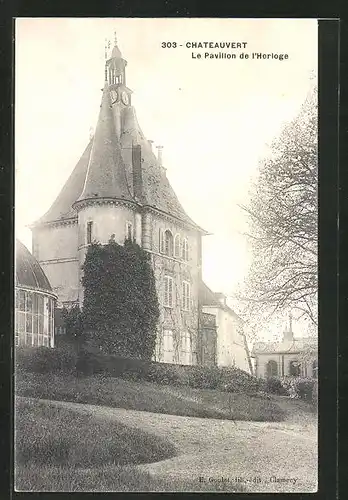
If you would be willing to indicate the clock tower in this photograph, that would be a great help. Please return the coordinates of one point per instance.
(115, 76)
(115, 81)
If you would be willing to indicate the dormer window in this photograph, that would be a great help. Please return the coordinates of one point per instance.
(185, 249)
(89, 232)
(177, 245)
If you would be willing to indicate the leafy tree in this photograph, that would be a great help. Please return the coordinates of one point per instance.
(120, 308)
(283, 231)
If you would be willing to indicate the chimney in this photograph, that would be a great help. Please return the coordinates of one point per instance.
(221, 298)
(160, 160)
(288, 333)
(137, 171)
(150, 143)
(159, 154)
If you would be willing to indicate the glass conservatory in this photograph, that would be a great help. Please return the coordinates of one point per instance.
(34, 302)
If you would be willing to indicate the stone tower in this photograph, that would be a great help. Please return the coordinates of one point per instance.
(119, 189)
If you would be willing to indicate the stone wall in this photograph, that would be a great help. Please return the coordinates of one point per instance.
(55, 247)
(174, 319)
(230, 342)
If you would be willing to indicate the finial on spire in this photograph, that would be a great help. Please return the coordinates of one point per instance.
(290, 322)
(159, 154)
(115, 38)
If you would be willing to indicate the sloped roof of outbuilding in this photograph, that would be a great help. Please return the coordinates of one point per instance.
(29, 273)
(208, 298)
(285, 346)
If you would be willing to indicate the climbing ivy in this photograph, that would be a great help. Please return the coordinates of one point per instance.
(120, 307)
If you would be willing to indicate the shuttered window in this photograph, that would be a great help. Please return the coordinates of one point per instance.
(168, 346)
(168, 291)
(177, 246)
(89, 232)
(185, 249)
(186, 295)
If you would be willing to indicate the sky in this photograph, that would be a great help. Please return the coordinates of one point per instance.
(215, 118)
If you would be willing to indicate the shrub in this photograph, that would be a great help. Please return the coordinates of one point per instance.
(89, 361)
(275, 386)
(45, 359)
(201, 377)
(120, 302)
(166, 374)
(304, 388)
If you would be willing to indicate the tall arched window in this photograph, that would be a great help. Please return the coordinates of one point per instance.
(89, 232)
(168, 243)
(177, 245)
(161, 240)
(272, 368)
(294, 369)
(185, 249)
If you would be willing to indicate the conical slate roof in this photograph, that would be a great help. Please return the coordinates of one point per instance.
(29, 273)
(105, 169)
(105, 177)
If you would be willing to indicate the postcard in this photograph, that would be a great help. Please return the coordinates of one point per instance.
(166, 273)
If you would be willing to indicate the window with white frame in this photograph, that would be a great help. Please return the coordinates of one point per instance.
(34, 319)
(186, 352)
(168, 291)
(168, 346)
(89, 232)
(185, 249)
(177, 245)
(129, 231)
(186, 295)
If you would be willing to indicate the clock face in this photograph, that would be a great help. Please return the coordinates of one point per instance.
(125, 98)
(114, 96)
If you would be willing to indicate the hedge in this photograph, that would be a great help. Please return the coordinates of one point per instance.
(46, 359)
(295, 387)
(87, 363)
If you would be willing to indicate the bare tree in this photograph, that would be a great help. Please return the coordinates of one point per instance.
(282, 215)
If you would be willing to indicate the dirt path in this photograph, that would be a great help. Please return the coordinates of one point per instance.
(263, 456)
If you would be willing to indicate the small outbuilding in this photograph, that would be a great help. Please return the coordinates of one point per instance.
(34, 302)
(291, 357)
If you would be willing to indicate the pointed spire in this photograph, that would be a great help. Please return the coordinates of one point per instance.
(288, 333)
(106, 176)
(116, 53)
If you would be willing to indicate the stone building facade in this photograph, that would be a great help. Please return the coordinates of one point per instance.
(292, 357)
(119, 189)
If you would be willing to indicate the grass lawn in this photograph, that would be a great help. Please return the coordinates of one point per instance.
(146, 396)
(48, 435)
(59, 449)
(106, 478)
